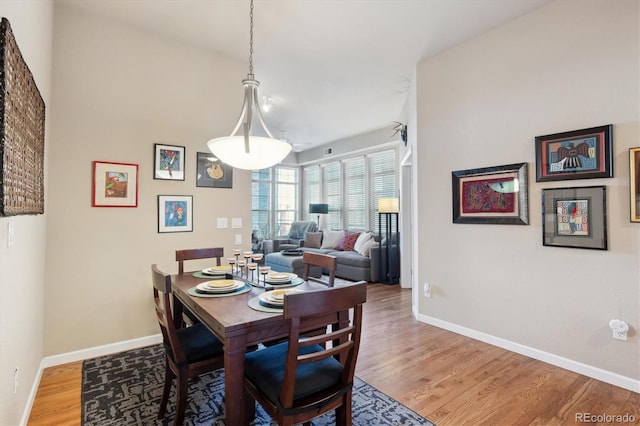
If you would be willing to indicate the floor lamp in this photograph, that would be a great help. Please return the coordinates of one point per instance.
(389, 209)
(319, 209)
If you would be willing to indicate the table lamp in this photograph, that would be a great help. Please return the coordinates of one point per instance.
(319, 209)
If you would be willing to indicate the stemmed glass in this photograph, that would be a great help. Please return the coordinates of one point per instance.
(232, 262)
(252, 267)
(264, 270)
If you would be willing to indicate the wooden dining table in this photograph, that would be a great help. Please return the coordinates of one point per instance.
(238, 326)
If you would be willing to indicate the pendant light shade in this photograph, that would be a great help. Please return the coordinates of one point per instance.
(250, 152)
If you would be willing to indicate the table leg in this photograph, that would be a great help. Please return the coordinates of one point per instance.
(234, 350)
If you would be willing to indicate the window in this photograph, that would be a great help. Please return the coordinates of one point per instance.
(274, 200)
(383, 182)
(332, 181)
(355, 200)
(311, 190)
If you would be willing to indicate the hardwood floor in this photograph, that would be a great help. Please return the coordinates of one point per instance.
(450, 379)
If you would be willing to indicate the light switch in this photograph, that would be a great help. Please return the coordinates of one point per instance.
(223, 223)
(236, 222)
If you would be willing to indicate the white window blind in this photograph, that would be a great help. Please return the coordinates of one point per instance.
(261, 203)
(355, 200)
(383, 182)
(274, 200)
(311, 190)
(332, 178)
(286, 198)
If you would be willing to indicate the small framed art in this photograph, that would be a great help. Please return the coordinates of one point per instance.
(213, 173)
(575, 217)
(114, 184)
(579, 154)
(175, 213)
(169, 162)
(495, 195)
(634, 183)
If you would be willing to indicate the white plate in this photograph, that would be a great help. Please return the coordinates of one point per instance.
(206, 287)
(276, 297)
(280, 277)
(217, 270)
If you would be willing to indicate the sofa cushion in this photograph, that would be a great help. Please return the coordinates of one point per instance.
(365, 250)
(362, 239)
(330, 239)
(350, 241)
(351, 258)
(313, 239)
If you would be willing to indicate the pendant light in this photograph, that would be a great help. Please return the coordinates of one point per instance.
(249, 152)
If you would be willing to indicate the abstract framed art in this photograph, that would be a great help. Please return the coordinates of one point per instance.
(491, 195)
(575, 217)
(168, 162)
(114, 184)
(175, 213)
(213, 173)
(578, 154)
(634, 183)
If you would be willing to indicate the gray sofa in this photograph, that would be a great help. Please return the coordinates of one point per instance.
(356, 267)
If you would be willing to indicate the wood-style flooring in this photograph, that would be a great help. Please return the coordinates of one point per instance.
(447, 378)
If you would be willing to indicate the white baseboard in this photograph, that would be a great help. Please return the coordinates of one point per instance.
(83, 354)
(568, 364)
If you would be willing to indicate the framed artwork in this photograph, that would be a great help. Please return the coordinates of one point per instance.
(579, 154)
(22, 114)
(169, 162)
(213, 173)
(495, 195)
(575, 217)
(175, 213)
(634, 183)
(114, 184)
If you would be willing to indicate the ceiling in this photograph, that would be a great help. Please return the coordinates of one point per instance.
(333, 68)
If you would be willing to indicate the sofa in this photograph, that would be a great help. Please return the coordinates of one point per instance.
(358, 253)
(296, 235)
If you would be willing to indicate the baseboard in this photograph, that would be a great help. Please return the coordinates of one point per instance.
(101, 350)
(568, 364)
(80, 355)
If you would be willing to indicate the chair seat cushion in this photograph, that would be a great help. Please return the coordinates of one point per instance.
(265, 369)
(198, 343)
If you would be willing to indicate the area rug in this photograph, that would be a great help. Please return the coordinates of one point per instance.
(125, 389)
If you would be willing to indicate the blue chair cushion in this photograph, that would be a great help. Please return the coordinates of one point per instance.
(198, 343)
(265, 369)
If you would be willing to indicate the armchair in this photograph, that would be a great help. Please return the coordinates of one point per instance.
(295, 236)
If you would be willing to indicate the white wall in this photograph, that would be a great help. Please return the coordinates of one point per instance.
(573, 64)
(22, 265)
(117, 91)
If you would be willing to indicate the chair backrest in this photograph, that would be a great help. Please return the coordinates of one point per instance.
(202, 253)
(309, 310)
(325, 261)
(162, 296)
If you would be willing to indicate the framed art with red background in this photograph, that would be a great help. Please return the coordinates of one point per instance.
(114, 184)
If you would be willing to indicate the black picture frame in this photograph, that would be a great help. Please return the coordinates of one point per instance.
(213, 173)
(491, 195)
(578, 154)
(575, 217)
(169, 162)
(634, 184)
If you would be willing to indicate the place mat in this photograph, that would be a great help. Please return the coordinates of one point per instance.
(192, 291)
(200, 274)
(254, 303)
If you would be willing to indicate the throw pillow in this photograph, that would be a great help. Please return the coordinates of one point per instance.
(350, 241)
(313, 239)
(366, 247)
(330, 239)
(363, 238)
(340, 243)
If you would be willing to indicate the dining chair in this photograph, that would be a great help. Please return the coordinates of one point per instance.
(195, 254)
(306, 376)
(325, 261)
(189, 351)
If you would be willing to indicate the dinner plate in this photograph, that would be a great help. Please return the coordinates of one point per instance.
(227, 287)
(275, 298)
(217, 270)
(280, 277)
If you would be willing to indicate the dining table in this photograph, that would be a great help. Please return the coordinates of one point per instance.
(239, 327)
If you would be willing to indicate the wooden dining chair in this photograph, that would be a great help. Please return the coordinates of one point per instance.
(189, 351)
(325, 261)
(195, 254)
(304, 377)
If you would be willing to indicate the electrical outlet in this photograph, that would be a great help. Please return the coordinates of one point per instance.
(238, 239)
(11, 233)
(15, 380)
(427, 290)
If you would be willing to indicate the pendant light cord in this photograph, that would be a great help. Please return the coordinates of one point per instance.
(251, 40)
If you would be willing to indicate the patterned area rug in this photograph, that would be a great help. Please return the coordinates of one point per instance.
(125, 389)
